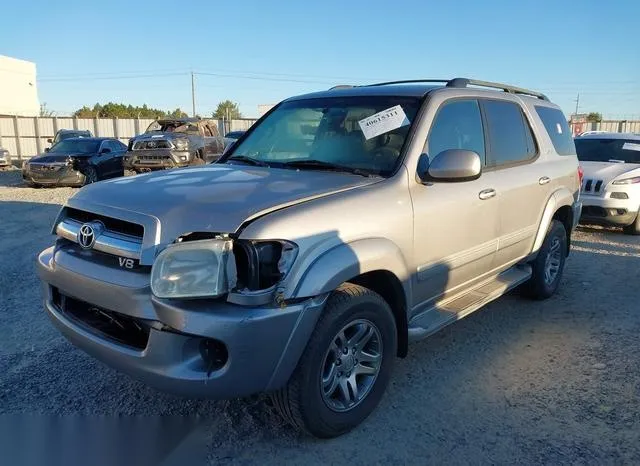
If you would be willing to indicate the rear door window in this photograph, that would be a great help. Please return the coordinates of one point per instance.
(608, 150)
(510, 138)
(457, 125)
(558, 129)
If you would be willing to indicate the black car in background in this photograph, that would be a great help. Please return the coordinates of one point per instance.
(63, 134)
(76, 162)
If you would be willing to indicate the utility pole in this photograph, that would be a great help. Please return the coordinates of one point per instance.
(577, 104)
(193, 93)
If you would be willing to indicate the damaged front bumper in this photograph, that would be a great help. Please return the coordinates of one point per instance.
(156, 159)
(56, 174)
(199, 348)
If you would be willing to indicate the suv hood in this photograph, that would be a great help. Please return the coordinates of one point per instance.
(213, 198)
(608, 171)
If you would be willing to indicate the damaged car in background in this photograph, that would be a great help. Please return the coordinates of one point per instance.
(173, 143)
(76, 162)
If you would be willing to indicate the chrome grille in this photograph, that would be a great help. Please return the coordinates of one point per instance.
(152, 157)
(592, 186)
(152, 144)
(115, 237)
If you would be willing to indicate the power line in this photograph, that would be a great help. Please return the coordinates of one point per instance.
(107, 78)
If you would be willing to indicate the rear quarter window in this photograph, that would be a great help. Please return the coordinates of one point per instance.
(558, 130)
(510, 138)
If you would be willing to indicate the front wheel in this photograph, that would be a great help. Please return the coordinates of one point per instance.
(90, 175)
(346, 367)
(634, 228)
(548, 265)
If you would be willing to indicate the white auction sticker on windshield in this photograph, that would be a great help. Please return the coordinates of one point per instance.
(631, 146)
(383, 122)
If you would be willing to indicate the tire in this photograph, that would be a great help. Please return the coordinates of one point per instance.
(634, 228)
(90, 175)
(552, 255)
(303, 401)
(198, 159)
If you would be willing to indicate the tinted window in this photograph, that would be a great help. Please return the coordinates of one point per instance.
(605, 150)
(458, 125)
(558, 129)
(510, 137)
(115, 146)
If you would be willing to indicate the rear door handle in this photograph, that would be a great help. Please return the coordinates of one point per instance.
(544, 180)
(486, 194)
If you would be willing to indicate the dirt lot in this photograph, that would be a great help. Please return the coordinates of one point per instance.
(551, 382)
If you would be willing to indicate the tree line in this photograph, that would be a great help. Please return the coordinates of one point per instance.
(225, 110)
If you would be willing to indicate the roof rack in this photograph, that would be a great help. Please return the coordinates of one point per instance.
(465, 82)
(341, 86)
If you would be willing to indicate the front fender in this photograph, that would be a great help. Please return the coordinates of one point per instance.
(348, 260)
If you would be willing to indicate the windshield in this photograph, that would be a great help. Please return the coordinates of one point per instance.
(330, 131)
(75, 146)
(173, 127)
(605, 150)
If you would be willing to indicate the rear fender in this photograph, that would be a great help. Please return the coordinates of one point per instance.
(560, 198)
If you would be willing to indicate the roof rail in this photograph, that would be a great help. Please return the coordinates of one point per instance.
(464, 82)
(341, 86)
(409, 81)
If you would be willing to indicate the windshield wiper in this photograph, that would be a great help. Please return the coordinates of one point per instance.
(248, 161)
(321, 165)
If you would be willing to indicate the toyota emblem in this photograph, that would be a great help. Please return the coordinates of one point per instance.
(88, 233)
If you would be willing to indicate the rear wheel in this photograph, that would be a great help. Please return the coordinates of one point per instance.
(548, 265)
(634, 228)
(346, 367)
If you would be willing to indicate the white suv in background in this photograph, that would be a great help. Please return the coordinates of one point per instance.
(610, 189)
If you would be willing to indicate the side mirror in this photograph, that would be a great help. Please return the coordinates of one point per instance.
(106, 150)
(451, 165)
(49, 140)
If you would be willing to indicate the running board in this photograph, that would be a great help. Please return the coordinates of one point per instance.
(448, 311)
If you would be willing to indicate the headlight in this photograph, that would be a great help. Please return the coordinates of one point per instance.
(633, 180)
(204, 268)
(181, 144)
(262, 264)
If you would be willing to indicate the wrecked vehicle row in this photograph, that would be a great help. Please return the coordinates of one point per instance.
(76, 162)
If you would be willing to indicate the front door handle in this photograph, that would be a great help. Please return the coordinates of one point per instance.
(487, 194)
(544, 180)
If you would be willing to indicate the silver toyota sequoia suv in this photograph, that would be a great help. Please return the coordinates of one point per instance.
(343, 225)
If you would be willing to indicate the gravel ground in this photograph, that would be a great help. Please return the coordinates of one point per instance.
(553, 382)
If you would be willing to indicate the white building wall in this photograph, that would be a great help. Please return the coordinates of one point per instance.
(18, 89)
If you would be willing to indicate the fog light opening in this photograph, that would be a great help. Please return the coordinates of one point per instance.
(214, 354)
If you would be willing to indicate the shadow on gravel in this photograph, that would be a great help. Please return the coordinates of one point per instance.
(11, 178)
(520, 381)
(599, 229)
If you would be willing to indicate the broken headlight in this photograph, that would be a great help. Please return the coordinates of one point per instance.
(181, 144)
(262, 264)
(194, 269)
